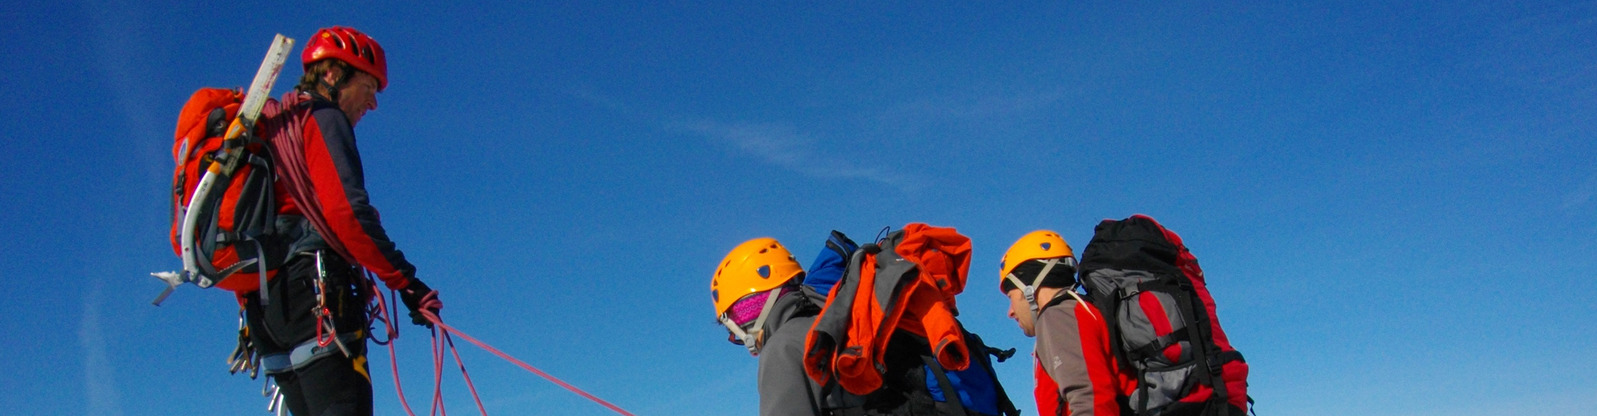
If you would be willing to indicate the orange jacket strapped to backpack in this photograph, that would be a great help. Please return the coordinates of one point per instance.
(910, 287)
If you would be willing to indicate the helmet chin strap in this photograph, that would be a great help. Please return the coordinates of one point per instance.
(754, 339)
(1030, 291)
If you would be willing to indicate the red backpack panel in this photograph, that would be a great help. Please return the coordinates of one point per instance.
(236, 218)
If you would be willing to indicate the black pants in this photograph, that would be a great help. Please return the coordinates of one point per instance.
(332, 385)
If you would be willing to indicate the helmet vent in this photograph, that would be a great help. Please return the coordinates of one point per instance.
(1047, 246)
(765, 272)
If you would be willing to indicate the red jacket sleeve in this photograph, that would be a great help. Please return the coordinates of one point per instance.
(1047, 392)
(1073, 349)
(340, 183)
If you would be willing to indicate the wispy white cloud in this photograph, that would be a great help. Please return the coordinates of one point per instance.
(122, 38)
(98, 373)
(976, 106)
(121, 41)
(786, 147)
(590, 96)
(778, 144)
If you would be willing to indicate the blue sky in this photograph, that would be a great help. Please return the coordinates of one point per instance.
(1394, 203)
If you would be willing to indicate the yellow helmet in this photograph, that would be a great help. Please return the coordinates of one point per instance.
(755, 266)
(1036, 245)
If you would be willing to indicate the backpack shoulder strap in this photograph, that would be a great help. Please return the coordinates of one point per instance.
(980, 348)
(950, 405)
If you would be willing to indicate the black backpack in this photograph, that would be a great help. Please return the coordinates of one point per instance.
(1162, 322)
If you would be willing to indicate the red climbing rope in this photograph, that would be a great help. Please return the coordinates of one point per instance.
(446, 341)
(449, 329)
(462, 365)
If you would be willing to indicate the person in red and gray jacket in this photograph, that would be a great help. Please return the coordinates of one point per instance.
(331, 231)
(1076, 371)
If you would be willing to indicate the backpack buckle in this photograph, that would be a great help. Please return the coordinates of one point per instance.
(1214, 364)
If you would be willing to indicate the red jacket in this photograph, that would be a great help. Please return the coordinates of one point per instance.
(1075, 368)
(321, 183)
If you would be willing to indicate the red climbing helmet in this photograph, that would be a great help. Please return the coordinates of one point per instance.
(350, 46)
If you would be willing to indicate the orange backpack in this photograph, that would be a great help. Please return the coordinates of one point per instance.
(237, 214)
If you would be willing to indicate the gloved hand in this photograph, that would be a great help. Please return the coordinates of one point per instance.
(418, 297)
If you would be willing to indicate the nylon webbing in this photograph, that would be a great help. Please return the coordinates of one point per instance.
(1158, 345)
(951, 403)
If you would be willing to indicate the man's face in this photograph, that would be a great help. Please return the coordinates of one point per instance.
(1020, 311)
(357, 96)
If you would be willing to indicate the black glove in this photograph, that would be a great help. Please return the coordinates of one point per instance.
(416, 298)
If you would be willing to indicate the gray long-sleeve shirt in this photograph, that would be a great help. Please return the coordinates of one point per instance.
(785, 390)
